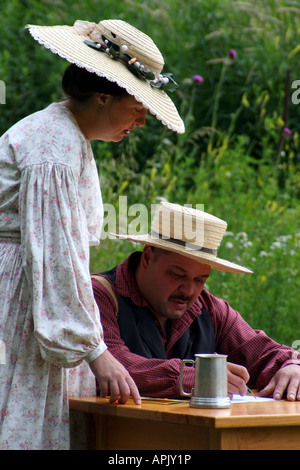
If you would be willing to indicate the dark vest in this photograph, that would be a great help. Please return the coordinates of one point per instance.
(141, 335)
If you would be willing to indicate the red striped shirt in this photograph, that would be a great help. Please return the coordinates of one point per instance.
(243, 345)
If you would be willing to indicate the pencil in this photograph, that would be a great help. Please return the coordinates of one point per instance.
(250, 391)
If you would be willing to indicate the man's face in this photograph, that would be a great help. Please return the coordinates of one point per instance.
(172, 282)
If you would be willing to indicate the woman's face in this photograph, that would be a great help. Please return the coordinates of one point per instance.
(118, 116)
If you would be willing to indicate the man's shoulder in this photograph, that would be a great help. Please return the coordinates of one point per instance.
(206, 298)
(104, 281)
(211, 303)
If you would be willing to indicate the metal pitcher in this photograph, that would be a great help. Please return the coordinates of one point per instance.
(210, 386)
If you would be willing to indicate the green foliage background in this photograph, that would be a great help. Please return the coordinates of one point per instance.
(233, 158)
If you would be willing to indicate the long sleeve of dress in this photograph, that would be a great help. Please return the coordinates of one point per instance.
(55, 245)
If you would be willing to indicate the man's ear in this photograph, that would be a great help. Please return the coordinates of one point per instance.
(146, 256)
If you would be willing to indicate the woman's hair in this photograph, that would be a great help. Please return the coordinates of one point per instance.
(79, 84)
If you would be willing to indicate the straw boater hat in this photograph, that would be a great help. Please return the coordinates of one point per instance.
(116, 50)
(188, 232)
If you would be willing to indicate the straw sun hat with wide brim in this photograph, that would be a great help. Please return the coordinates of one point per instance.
(189, 232)
(118, 51)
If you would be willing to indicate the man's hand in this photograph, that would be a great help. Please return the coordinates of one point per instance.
(286, 380)
(237, 377)
(114, 380)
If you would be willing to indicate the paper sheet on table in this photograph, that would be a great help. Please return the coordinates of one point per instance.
(235, 399)
(248, 398)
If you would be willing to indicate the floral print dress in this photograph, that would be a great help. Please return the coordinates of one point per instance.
(51, 211)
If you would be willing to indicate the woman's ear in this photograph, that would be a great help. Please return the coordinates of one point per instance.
(102, 98)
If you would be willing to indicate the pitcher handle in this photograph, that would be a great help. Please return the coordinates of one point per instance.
(183, 362)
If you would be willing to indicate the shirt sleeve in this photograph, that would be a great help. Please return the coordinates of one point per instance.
(253, 349)
(153, 377)
(55, 250)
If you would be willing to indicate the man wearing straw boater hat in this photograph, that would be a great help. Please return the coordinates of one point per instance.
(155, 312)
(51, 212)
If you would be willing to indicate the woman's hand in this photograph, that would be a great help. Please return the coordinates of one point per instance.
(114, 380)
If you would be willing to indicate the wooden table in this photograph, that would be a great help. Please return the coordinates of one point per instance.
(168, 425)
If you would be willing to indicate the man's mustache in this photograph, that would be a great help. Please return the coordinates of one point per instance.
(183, 298)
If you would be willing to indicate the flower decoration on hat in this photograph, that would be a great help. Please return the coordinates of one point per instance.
(115, 52)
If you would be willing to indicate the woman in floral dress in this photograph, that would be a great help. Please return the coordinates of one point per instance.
(50, 213)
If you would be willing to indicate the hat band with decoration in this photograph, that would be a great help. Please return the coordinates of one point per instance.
(116, 52)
